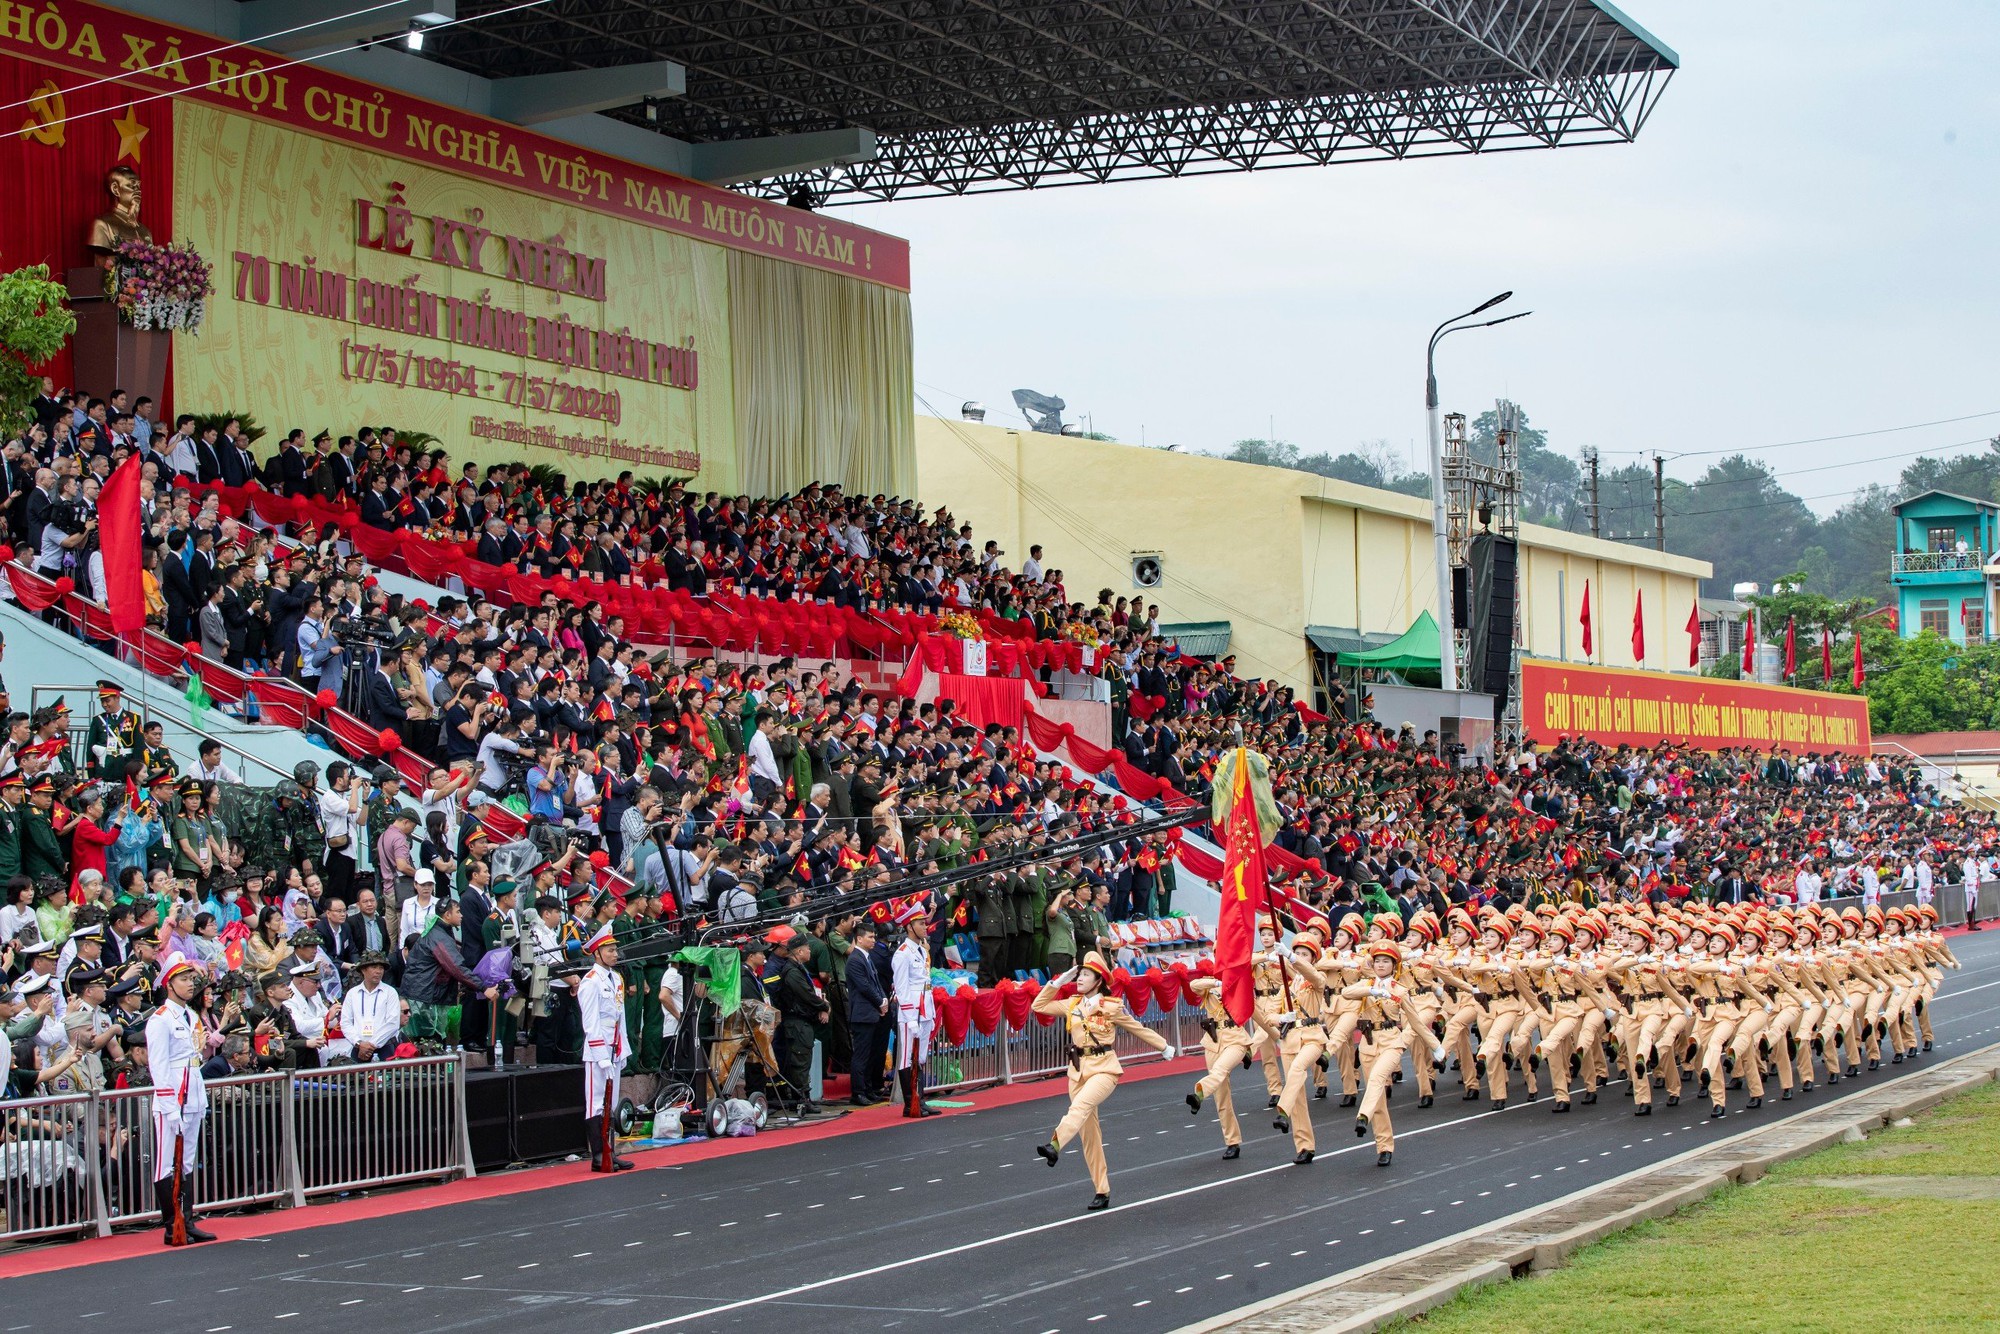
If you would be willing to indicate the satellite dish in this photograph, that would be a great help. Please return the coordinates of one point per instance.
(1043, 411)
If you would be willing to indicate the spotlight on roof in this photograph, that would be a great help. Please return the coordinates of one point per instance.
(1072, 429)
(972, 411)
(413, 40)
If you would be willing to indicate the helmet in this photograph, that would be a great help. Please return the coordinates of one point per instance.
(305, 773)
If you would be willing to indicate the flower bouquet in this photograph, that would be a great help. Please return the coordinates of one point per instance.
(160, 286)
(960, 625)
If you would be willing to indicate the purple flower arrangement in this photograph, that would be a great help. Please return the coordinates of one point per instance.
(161, 286)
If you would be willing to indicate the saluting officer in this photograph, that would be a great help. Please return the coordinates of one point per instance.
(606, 1047)
(174, 1041)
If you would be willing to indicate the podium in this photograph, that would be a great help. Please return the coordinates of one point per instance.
(107, 353)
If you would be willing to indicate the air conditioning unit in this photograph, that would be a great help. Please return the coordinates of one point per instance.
(1147, 569)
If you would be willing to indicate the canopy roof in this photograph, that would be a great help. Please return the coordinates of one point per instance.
(973, 95)
(1415, 650)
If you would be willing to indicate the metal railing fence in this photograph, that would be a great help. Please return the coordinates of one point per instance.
(83, 1163)
(1038, 1051)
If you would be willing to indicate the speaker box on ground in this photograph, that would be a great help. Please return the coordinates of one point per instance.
(524, 1116)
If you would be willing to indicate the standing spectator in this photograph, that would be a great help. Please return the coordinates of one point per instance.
(339, 812)
(867, 1014)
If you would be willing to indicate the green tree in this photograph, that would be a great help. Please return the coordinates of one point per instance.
(1812, 615)
(34, 322)
(1551, 483)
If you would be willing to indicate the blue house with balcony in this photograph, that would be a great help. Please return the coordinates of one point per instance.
(1944, 565)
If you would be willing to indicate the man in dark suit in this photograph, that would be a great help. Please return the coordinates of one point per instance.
(207, 456)
(867, 1021)
(337, 935)
(1731, 888)
(385, 706)
(376, 502)
(201, 564)
(235, 461)
(292, 467)
(176, 587)
(493, 543)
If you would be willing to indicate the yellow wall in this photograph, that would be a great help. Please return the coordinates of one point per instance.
(1272, 551)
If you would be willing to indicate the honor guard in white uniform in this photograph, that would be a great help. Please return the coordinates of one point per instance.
(371, 1014)
(174, 1041)
(606, 1047)
(916, 1011)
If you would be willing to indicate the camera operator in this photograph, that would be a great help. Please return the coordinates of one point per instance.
(506, 739)
(548, 785)
(322, 664)
(72, 521)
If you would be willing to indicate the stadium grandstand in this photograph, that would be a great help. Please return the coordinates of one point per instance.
(506, 688)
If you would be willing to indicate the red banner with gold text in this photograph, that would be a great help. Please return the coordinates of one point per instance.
(1609, 705)
(149, 59)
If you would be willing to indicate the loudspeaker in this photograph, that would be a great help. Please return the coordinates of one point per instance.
(524, 1116)
(1492, 563)
(1461, 606)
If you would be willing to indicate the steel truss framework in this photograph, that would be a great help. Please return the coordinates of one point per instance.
(969, 96)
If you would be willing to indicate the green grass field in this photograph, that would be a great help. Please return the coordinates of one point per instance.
(1896, 1235)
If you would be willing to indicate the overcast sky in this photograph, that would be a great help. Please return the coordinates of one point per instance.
(1800, 243)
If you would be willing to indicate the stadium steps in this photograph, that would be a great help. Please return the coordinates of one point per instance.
(57, 664)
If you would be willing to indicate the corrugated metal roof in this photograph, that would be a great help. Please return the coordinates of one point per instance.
(1339, 639)
(1199, 639)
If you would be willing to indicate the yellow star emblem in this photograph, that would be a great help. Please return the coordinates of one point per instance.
(130, 132)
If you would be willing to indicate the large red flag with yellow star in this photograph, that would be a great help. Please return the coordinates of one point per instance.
(1244, 811)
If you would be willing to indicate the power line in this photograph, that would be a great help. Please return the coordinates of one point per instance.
(125, 74)
(1824, 439)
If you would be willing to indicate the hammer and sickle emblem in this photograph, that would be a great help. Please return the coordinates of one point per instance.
(46, 114)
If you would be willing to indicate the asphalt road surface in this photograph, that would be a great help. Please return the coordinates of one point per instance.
(952, 1223)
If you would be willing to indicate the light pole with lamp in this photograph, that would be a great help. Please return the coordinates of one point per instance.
(1447, 649)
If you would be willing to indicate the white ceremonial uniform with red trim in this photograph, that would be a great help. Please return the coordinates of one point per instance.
(180, 1097)
(916, 1010)
(606, 1047)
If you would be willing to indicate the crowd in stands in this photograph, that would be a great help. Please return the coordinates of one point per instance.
(355, 912)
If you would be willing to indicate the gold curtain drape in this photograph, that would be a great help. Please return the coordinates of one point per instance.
(823, 380)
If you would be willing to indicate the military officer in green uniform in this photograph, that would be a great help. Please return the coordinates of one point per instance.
(150, 754)
(114, 734)
(41, 854)
(13, 787)
(52, 724)
(989, 901)
(1037, 948)
(644, 1020)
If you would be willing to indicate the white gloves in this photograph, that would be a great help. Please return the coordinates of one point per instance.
(1167, 1053)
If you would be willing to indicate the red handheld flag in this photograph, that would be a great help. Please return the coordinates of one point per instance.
(1694, 635)
(1639, 626)
(1791, 648)
(118, 532)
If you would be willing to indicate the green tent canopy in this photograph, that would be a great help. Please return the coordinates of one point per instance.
(1415, 650)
